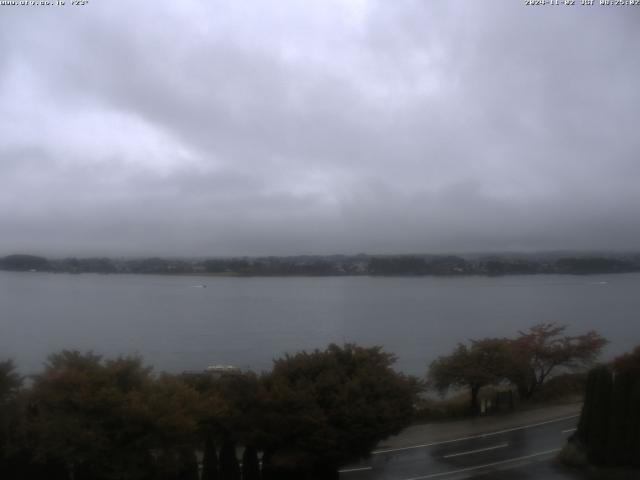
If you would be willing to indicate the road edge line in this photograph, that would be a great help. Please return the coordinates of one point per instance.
(479, 450)
(472, 437)
(479, 467)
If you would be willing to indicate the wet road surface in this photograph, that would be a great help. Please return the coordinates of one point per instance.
(525, 452)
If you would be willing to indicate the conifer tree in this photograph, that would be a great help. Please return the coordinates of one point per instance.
(598, 429)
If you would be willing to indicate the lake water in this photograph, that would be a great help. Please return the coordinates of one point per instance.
(177, 324)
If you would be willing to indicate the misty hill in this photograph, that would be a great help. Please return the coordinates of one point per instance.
(20, 262)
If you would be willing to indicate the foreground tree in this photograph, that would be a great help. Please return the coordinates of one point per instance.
(624, 427)
(609, 426)
(593, 427)
(111, 419)
(527, 361)
(89, 416)
(173, 409)
(330, 407)
(10, 383)
(484, 362)
(231, 415)
(544, 349)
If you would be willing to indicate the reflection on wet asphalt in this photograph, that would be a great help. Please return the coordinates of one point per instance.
(515, 454)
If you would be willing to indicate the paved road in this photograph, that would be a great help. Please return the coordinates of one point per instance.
(521, 452)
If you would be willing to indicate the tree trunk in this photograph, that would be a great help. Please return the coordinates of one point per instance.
(475, 406)
(267, 467)
(188, 465)
(250, 466)
(210, 460)
(229, 468)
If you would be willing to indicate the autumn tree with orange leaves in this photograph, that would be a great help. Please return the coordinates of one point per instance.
(543, 350)
(483, 362)
(526, 361)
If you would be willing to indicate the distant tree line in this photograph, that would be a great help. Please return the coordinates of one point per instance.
(332, 265)
(609, 428)
(525, 362)
(88, 418)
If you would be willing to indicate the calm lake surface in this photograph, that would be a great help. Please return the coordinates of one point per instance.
(175, 323)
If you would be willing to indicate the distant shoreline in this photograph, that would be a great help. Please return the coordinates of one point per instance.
(336, 265)
(354, 275)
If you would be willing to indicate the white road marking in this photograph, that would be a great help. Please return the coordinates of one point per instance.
(479, 467)
(359, 469)
(469, 452)
(472, 437)
(569, 430)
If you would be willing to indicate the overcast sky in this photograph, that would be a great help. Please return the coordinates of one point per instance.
(329, 126)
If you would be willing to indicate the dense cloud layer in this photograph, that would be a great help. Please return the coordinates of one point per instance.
(275, 127)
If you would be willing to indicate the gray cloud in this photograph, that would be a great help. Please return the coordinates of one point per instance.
(190, 128)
